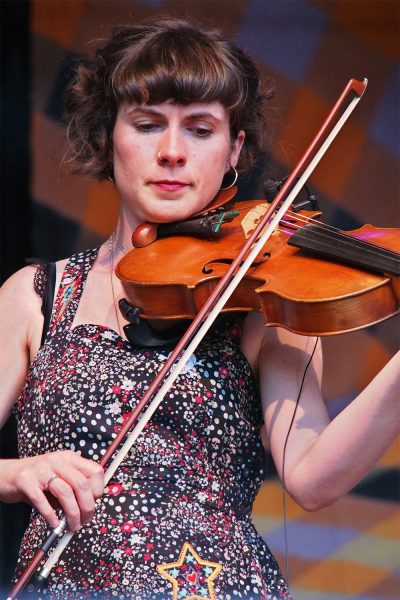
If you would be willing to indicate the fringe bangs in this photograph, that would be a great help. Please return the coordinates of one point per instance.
(183, 71)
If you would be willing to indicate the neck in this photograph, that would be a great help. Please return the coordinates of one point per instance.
(126, 224)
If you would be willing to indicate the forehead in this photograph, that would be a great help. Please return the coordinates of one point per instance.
(213, 110)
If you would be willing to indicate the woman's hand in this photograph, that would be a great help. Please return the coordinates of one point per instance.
(74, 482)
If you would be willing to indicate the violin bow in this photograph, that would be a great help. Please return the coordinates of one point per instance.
(202, 322)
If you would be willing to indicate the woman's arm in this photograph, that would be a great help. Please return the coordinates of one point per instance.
(324, 459)
(21, 322)
(79, 481)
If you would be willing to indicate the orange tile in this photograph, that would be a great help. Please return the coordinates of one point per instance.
(353, 511)
(389, 527)
(340, 378)
(51, 186)
(388, 589)
(336, 167)
(269, 502)
(340, 576)
(372, 192)
(101, 17)
(304, 119)
(276, 109)
(391, 458)
(101, 211)
(375, 356)
(57, 19)
(374, 20)
(306, 114)
(298, 565)
(342, 55)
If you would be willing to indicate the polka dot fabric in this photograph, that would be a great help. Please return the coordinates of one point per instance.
(188, 483)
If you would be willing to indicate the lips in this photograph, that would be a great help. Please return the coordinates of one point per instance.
(170, 185)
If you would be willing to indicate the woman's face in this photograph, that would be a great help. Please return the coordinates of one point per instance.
(169, 159)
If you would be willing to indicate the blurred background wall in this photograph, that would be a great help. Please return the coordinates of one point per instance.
(308, 49)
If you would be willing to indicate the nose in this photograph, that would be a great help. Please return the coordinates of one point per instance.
(171, 151)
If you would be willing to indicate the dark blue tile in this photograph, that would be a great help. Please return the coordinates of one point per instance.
(55, 104)
(385, 124)
(284, 35)
(54, 236)
(343, 220)
(339, 403)
(380, 483)
(310, 541)
(153, 3)
(365, 597)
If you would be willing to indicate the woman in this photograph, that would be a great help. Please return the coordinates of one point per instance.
(168, 112)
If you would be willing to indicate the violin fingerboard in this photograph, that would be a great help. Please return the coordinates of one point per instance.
(336, 244)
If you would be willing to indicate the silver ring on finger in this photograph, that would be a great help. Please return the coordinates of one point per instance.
(52, 478)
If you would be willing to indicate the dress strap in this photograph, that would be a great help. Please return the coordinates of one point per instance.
(70, 289)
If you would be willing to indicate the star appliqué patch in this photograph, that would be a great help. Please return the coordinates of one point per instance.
(191, 577)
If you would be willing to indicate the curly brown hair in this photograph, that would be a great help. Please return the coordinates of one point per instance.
(160, 60)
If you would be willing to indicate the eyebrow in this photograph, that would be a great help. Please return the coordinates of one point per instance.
(153, 111)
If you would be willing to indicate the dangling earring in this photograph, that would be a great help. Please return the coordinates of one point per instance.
(110, 175)
(235, 176)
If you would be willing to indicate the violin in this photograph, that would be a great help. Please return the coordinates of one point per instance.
(310, 278)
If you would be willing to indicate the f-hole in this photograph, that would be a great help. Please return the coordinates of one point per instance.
(208, 268)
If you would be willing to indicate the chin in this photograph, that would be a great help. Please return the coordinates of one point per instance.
(175, 210)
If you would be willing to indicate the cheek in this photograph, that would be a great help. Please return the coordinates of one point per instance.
(213, 169)
(130, 157)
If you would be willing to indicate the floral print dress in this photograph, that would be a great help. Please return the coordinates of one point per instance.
(175, 520)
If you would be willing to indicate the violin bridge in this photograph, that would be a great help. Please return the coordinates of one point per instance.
(252, 219)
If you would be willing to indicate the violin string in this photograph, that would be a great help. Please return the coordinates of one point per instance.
(355, 242)
(368, 246)
(346, 240)
(356, 245)
(339, 232)
(349, 240)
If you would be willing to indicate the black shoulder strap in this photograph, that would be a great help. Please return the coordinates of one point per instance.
(48, 299)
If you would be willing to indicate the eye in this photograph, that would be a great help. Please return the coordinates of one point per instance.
(201, 131)
(146, 127)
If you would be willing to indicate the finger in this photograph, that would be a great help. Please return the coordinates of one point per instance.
(97, 483)
(93, 471)
(81, 489)
(31, 487)
(66, 497)
(38, 499)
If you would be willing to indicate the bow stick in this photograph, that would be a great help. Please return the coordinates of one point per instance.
(204, 319)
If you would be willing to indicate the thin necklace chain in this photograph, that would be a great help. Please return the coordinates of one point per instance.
(116, 240)
(112, 241)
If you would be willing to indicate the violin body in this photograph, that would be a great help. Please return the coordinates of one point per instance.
(173, 277)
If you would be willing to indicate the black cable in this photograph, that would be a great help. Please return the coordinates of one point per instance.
(283, 464)
(272, 186)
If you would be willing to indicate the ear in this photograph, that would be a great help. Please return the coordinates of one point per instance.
(236, 148)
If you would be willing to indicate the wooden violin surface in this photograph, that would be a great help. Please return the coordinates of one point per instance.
(293, 288)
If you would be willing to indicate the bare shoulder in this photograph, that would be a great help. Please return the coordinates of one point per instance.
(21, 326)
(20, 307)
(18, 299)
(20, 316)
